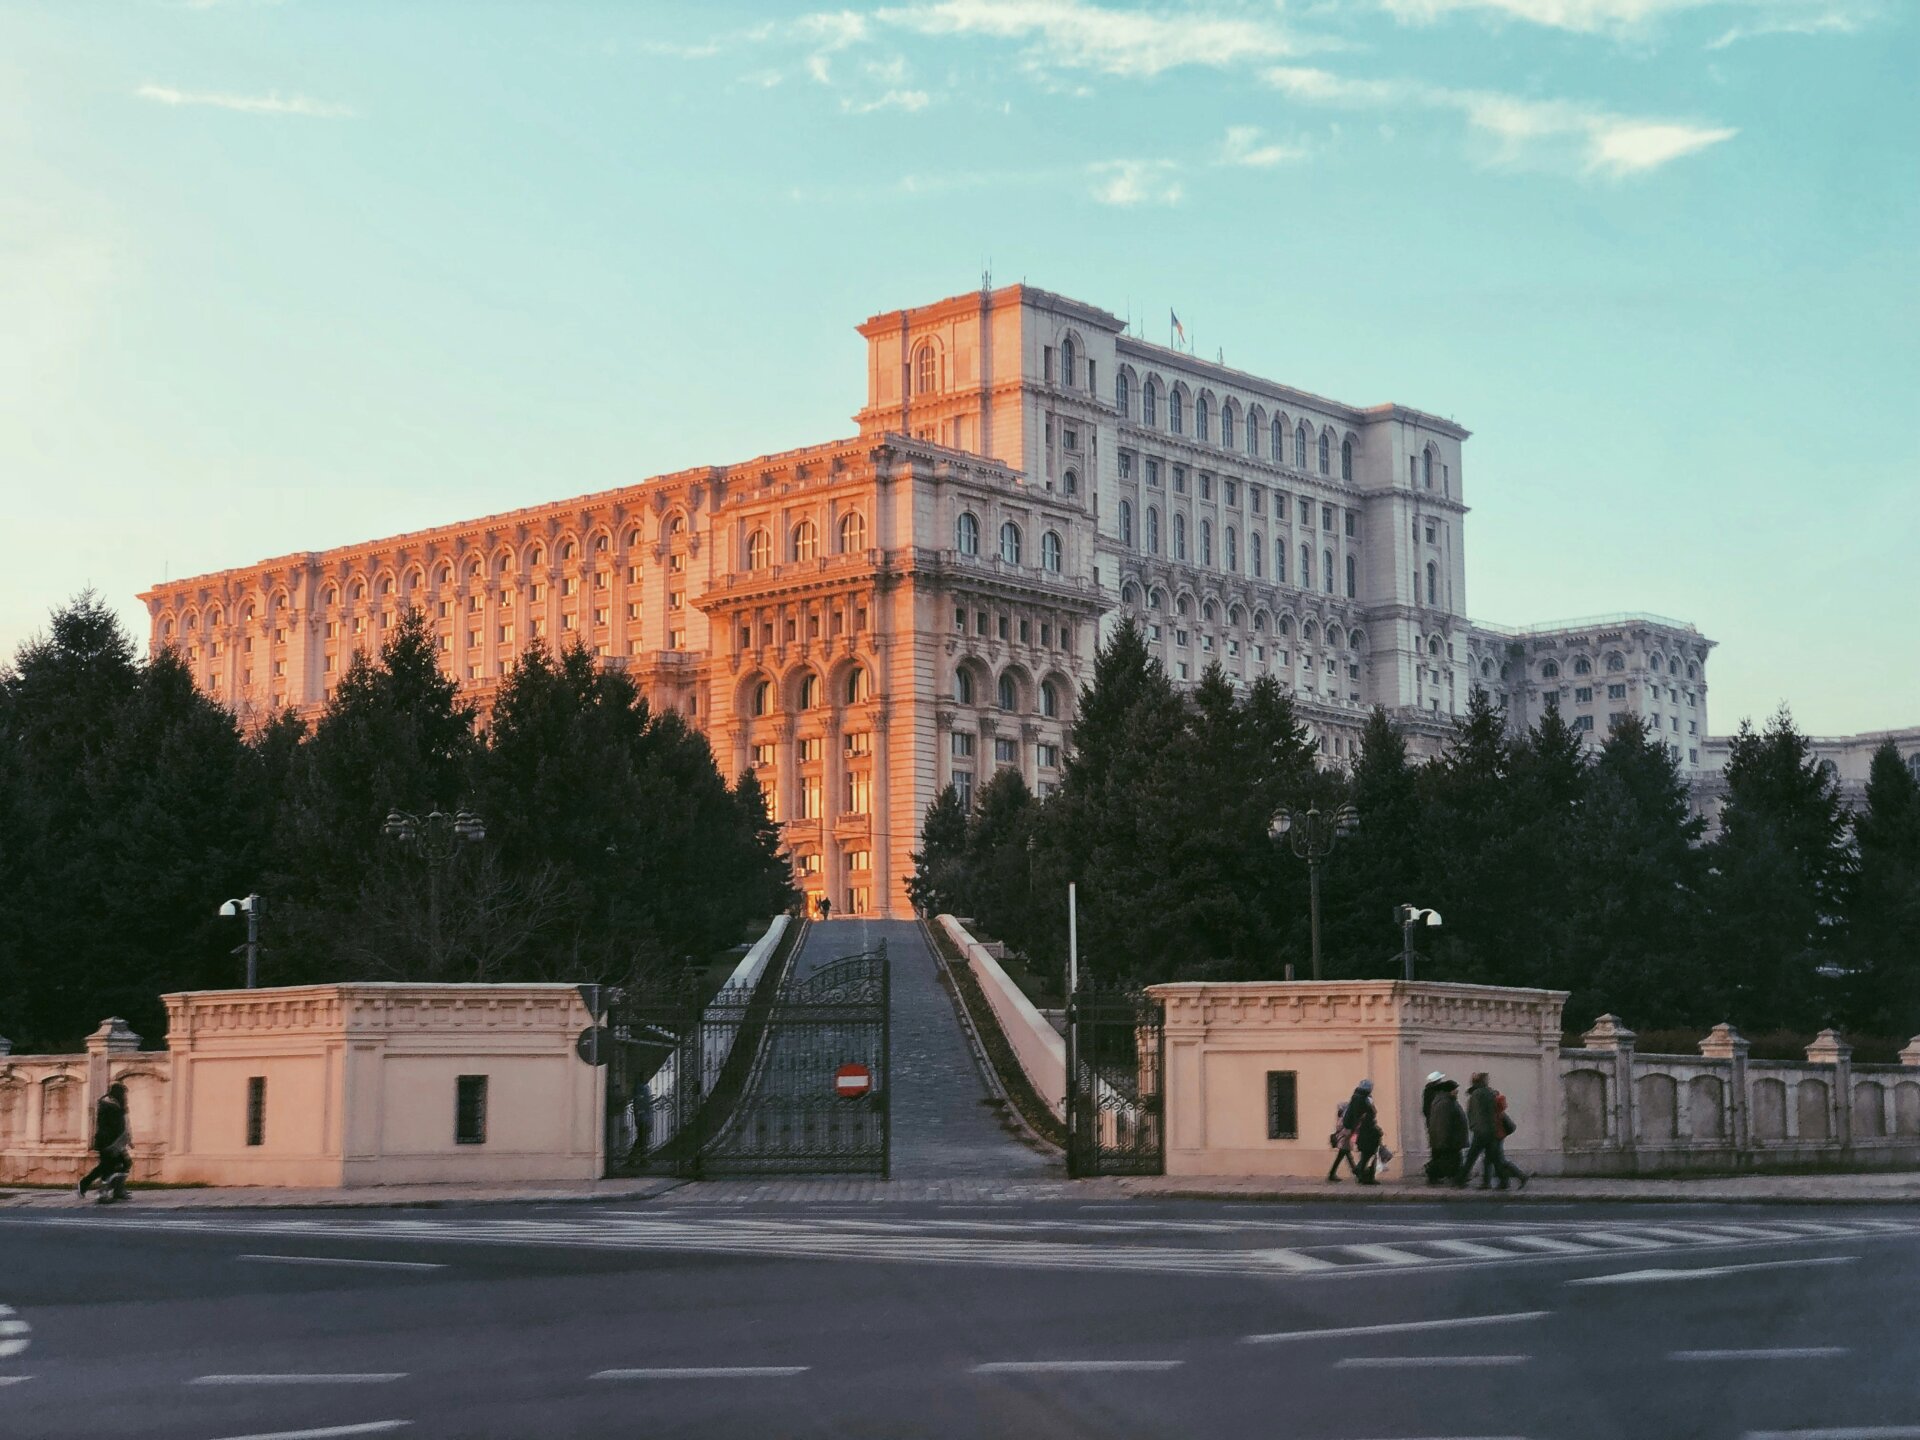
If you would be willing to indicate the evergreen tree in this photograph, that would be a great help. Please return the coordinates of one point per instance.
(938, 883)
(1380, 866)
(999, 864)
(1474, 852)
(1883, 940)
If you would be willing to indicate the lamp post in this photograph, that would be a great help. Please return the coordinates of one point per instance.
(250, 907)
(1313, 836)
(438, 837)
(1410, 916)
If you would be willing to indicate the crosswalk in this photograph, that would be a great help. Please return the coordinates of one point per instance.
(1240, 1248)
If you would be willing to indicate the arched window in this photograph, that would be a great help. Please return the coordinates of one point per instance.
(1278, 448)
(675, 524)
(1153, 530)
(1309, 632)
(1550, 670)
(600, 544)
(966, 533)
(859, 686)
(1305, 578)
(1426, 468)
(1326, 454)
(759, 550)
(537, 556)
(1156, 599)
(1353, 579)
(633, 542)
(1616, 663)
(1209, 612)
(1346, 460)
(1433, 583)
(762, 698)
(568, 550)
(329, 597)
(853, 532)
(1653, 664)
(1129, 594)
(806, 541)
(1693, 671)
(926, 369)
(1050, 551)
(1206, 542)
(1326, 569)
(1233, 549)
(1202, 419)
(1300, 446)
(1049, 701)
(810, 691)
(1067, 358)
(1226, 427)
(1179, 536)
(1122, 395)
(1279, 560)
(1009, 696)
(1070, 482)
(1149, 404)
(1010, 543)
(1176, 411)
(963, 687)
(1126, 522)
(1357, 641)
(1256, 552)
(1181, 606)
(1583, 666)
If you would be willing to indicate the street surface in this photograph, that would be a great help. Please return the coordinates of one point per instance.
(683, 1317)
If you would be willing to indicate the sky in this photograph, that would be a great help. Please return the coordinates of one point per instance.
(278, 275)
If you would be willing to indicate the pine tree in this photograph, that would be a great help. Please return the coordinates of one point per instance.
(938, 883)
(1883, 939)
(1474, 852)
(1379, 867)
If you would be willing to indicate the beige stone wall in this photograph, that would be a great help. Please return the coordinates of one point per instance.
(47, 1104)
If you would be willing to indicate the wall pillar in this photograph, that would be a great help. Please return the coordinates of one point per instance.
(1609, 1035)
(111, 1039)
(1829, 1049)
(1724, 1042)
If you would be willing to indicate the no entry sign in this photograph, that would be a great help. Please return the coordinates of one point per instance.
(850, 1082)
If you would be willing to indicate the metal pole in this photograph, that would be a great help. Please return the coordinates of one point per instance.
(1313, 880)
(1073, 938)
(253, 942)
(1406, 943)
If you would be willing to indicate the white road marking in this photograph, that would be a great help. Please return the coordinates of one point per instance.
(14, 1379)
(1621, 1237)
(1292, 1260)
(1844, 1432)
(1550, 1244)
(1385, 1254)
(345, 1260)
(1046, 1367)
(1805, 1352)
(1398, 1327)
(1426, 1362)
(1706, 1272)
(328, 1432)
(15, 1333)
(363, 1379)
(1470, 1248)
(705, 1372)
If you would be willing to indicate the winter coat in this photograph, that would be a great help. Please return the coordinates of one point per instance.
(1426, 1098)
(1446, 1123)
(1359, 1111)
(1483, 1113)
(109, 1124)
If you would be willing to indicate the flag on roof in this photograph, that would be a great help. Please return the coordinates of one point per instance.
(1178, 328)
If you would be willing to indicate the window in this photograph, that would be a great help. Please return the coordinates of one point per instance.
(762, 700)
(859, 685)
(1326, 569)
(1583, 722)
(1122, 394)
(963, 687)
(1202, 419)
(1616, 692)
(470, 1110)
(853, 532)
(859, 792)
(1179, 537)
(759, 556)
(1583, 666)
(1353, 579)
(1433, 583)
(1179, 479)
(1149, 404)
(1046, 757)
(1126, 523)
(962, 745)
(1010, 543)
(810, 691)
(1346, 459)
(1305, 578)
(1283, 1105)
(1049, 701)
(256, 1110)
(963, 787)
(1583, 694)
(1070, 482)
(966, 533)
(810, 798)
(1006, 752)
(806, 541)
(1050, 552)
(1256, 553)
(1300, 447)
(859, 742)
(1206, 542)
(1233, 549)
(926, 370)
(1009, 696)
(1279, 560)
(1226, 428)
(1067, 369)
(1616, 663)
(1176, 412)
(1153, 530)
(1153, 473)
(1326, 460)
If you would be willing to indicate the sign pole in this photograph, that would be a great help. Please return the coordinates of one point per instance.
(1073, 938)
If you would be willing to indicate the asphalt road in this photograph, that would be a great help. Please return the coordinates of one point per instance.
(671, 1318)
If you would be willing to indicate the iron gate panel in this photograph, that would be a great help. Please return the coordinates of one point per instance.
(1115, 1061)
(745, 1084)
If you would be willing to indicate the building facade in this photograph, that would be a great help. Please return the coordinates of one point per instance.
(867, 620)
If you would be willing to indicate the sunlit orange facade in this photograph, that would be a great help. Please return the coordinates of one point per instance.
(868, 620)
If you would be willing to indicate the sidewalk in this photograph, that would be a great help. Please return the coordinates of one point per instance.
(1885, 1188)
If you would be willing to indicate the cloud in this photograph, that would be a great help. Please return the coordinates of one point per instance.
(891, 100)
(820, 68)
(1135, 182)
(269, 104)
(1839, 20)
(1243, 146)
(1770, 17)
(1553, 134)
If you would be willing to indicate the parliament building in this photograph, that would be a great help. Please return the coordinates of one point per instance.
(867, 620)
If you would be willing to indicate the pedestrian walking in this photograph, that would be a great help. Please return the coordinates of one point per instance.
(1507, 1125)
(113, 1143)
(1370, 1140)
(1446, 1131)
(1357, 1110)
(1483, 1130)
(1435, 1079)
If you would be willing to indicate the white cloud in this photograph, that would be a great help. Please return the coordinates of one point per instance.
(1553, 134)
(1832, 21)
(1135, 182)
(269, 104)
(1768, 17)
(891, 100)
(820, 68)
(1245, 145)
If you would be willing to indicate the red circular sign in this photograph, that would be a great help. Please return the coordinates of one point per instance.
(850, 1082)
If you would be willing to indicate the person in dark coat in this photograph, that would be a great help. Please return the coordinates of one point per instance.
(1357, 1112)
(1434, 1081)
(1483, 1130)
(112, 1142)
(1446, 1131)
(1506, 1126)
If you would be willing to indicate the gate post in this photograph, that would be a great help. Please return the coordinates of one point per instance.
(886, 1064)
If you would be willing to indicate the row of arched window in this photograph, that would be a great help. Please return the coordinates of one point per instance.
(1256, 551)
(966, 539)
(1309, 450)
(1616, 663)
(1006, 693)
(855, 688)
(1237, 617)
(803, 541)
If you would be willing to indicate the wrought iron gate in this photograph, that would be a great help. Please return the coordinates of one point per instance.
(1115, 1061)
(746, 1082)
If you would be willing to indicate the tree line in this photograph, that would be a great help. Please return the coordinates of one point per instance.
(1552, 865)
(132, 805)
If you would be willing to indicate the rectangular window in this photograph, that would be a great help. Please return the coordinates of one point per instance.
(1232, 492)
(1255, 497)
(470, 1110)
(676, 640)
(1180, 479)
(676, 600)
(1616, 692)
(1006, 752)
(1206, 486)
(256, 1110)
(1047, 757)
(808, 748)
(569, 585)
(1126, 464)
(1584, 722)
(1353, 524)
(633, 613)
(1179, 637)
(763, 757)
(860, 860)
(1583, 694)
(963, 787)
(962, 747)
(1326, 517)
(540, 629)
(859, 792)
(506, 634)
(599, 579)
(859, 742)
(473, 637)
(1693, 757)
(1306, 511)
(537, 592)
(810, 798)
(676, 562)
(1026, 632)
(633, 574)
(980, 622)
(569, 622)
(1069, 438)
(960, 620)
(1005, 629)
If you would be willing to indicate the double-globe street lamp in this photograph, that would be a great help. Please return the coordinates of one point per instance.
(1313, 835)
(437, 837)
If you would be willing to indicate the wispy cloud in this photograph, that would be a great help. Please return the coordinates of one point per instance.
(1523, 131)
(1830, 20)
(271, 103)
(891, 100)
(1135, 182)
(1247, 145)
(1756, 17)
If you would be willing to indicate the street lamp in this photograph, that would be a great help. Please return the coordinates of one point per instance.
(1313, 836)
(1410, 916)
(438, 837)
(250, 907)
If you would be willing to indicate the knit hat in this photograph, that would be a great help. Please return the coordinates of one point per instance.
(1364, 1085)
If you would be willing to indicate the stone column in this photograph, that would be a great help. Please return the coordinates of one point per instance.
(1829, 1049)
(1724, 1042)
(111, 1039)
(1609, 1035)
